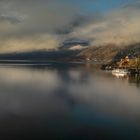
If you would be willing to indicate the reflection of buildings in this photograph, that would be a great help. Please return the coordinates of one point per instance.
(131, 79)
(135, 79)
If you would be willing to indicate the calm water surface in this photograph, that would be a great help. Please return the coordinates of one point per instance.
(67, 102)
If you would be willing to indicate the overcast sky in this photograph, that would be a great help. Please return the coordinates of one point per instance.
(27, 25)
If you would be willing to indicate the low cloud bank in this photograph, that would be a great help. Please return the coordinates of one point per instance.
(45, 24)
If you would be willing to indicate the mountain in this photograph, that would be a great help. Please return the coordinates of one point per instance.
(104, 54)
(67, 50)
(132, 50)
(99, 53)
(40, 55)
(109, 52)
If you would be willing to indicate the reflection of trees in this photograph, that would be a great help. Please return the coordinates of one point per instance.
(135, 79)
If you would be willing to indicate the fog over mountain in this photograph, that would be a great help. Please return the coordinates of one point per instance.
(32, 25)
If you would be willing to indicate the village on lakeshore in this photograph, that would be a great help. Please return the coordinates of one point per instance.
(129, 63)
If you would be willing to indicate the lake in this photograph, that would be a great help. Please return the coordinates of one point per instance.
(67, 101)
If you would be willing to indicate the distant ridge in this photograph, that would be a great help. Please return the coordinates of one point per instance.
(40, 55)
(103, 54)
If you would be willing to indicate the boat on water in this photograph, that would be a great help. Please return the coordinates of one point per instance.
(120, 72)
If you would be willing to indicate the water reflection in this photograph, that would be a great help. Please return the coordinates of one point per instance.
(135, 79)
(132, 79)
(67, 101)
